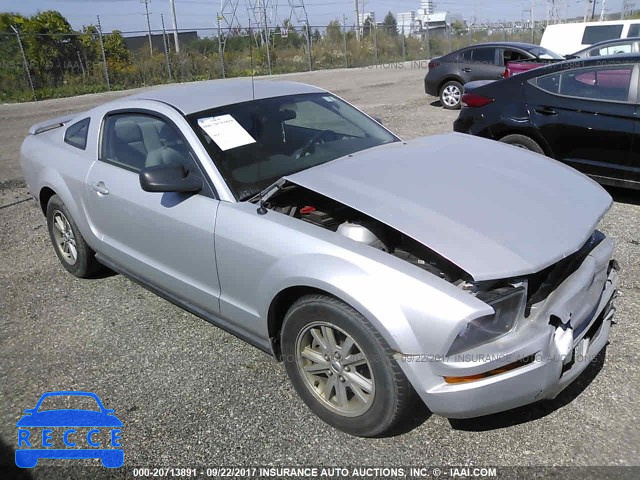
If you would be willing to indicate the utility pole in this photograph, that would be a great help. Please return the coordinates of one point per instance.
(602, 10)
(267, 39)
(174, 21)
(586, 10)
(344, 41)
(357, 21)
(146, 7)
(533, 23)
(593, 10)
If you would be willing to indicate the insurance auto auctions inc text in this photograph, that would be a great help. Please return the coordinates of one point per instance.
(356, 472)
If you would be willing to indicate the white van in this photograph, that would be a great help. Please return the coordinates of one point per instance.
(568, 38)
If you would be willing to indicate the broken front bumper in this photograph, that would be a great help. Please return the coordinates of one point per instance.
(537, 361)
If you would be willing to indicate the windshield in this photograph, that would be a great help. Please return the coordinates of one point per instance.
(255, 143)
(544, 54)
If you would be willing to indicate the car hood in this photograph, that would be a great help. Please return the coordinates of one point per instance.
(495, 210)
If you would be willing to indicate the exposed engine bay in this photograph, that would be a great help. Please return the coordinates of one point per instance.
(324, 212)
(308, 206)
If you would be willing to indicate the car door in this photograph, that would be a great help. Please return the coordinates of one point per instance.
(485, 64)
(587, 116)
(164, 239)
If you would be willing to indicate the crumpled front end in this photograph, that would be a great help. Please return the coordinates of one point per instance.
(561, 328)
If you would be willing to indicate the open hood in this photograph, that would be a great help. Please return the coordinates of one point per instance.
(494, 210)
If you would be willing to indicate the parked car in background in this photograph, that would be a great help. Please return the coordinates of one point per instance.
(581, 112)
(609, 47)
(484, 61)
(373, 268)
(567, 38)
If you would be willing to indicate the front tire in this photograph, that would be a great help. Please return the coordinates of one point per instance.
(451, 95)
(342, 368)
(69, 244)
(523, 141)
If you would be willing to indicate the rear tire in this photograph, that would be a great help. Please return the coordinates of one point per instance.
(523, 141)
(342, 368)
(451, 95)
(69, 244)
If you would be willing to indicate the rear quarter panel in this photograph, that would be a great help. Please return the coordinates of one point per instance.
(47, 161)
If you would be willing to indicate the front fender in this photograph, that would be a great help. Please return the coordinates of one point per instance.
(347, 282)
(413, 315)
(259, 256)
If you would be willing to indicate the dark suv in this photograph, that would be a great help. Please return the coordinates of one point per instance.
(485, 61)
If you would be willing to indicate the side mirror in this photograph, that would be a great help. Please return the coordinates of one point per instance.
(169, 178)
(379, 120)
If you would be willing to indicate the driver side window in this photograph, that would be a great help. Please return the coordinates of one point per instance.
(136, 140)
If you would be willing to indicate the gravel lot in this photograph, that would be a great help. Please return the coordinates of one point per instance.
(190, 394)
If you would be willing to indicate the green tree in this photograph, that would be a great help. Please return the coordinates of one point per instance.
(458, 28)
(367, 27)
(11, 66)
(334, 34)
(390, 25)
(49, 44)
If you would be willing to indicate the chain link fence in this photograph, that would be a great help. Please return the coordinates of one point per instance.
(91, 61)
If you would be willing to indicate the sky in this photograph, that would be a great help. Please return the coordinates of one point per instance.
(128, 15)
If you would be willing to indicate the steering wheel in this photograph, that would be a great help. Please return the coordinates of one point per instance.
(307, 148)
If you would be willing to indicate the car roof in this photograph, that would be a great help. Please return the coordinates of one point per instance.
(502, 44)
(599, 60)
(607, 42)
(199, 96)
(562, 66)
(613, 40)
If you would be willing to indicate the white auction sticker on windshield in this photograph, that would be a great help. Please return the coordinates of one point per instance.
(226, 132)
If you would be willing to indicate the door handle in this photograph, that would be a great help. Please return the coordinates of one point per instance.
(100, 188)
(546, 111)
(466, 69)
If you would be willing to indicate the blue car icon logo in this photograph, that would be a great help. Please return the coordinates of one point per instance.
(39, 429)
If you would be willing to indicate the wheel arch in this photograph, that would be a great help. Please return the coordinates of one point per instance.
(44, 196)
(532, 134)
(287, 296)
(279, 307)
(450, 78)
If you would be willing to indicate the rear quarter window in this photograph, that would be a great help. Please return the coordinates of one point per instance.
(464, 56)
(634, 30)
(76, 134)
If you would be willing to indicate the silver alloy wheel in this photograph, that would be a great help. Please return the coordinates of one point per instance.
(451, 96)
(335, 369)
(65, 240)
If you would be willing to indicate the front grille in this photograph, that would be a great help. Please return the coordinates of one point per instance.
(541, 284)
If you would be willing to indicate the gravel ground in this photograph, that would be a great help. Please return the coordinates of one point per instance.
(190, 394)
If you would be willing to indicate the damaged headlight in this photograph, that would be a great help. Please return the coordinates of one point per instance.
(507, 302)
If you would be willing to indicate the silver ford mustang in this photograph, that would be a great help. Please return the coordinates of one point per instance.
(460, 269)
